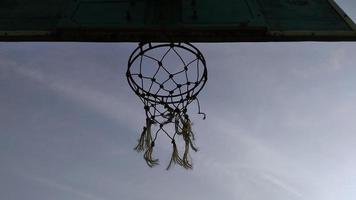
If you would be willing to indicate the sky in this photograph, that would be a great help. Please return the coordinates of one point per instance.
(280, 124)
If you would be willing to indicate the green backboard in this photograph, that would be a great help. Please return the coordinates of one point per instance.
(174, 20)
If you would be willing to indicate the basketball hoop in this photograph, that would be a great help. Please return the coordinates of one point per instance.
(166, 90)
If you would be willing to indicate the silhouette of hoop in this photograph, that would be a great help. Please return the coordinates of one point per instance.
(166, 94)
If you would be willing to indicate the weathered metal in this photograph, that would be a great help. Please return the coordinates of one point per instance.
(174, 20)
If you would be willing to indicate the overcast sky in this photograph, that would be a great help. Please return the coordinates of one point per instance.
(281, 124)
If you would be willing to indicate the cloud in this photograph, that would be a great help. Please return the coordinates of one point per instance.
(60, 186)
(110, 106)
(235, 160)
(248, 164)
(337, 59)
(282, 185)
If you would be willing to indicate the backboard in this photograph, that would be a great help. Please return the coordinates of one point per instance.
(174, 20)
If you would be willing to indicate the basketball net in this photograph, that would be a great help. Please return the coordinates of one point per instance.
(167, 78)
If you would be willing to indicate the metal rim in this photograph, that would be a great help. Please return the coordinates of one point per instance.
(155, 98)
